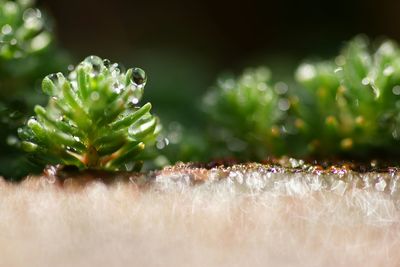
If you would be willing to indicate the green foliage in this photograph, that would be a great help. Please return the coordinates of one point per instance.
(22, 29)
(348, 106)
(180, 143)
(354, 101)
(92, 119)
(248, 115)
(27, 53)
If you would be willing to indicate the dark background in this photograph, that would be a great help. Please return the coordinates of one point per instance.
(184, 45)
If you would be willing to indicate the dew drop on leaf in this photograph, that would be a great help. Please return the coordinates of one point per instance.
(134, 100)
(95, 96)
(396, 90)
(53, 77)
(107, 63)
(6, 29)
(280, 88)
(13, 41)
(96, 63)
(138, 76)
(12, 140)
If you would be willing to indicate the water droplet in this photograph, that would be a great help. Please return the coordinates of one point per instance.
(107, 63)
(387, 48)
(339, 69)
(138, 76)
(365, 81)
(71, 67)
(388, 71)
(162, 143)
(40, 41)
(6, 29)
(263, 74)
(396, 90)
(115, 71)
(227, 84)
(53, 77)
(305, 72)
(294, 163)
(31, 13)
(96, 63)
(12, 140)
(31, 121)
(262, 87)
(247, 80)
(340, 60)
(95, 96)
(283, 104)
(72, 77)
(117, 87)
(13, 41)
(32, 19)
(281, 88)
(134, 100)
(10, 8)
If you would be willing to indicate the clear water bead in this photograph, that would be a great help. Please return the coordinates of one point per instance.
(107, 63)
(53, 77)
(96, 64)
(138, 76)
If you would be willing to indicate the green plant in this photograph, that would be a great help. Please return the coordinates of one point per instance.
(248, 115)
(27, 53)
(354, 101)
(92, 119)
(23, 29)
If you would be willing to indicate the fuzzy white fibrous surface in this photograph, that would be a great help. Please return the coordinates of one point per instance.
(237, 216)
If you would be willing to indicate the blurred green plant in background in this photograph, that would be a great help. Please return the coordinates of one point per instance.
(247, 115)
(354, 101)
(23, 29)
(92, 120)
(27, 53)
(345, 107)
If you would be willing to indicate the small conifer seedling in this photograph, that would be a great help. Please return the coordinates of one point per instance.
(92, 119)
